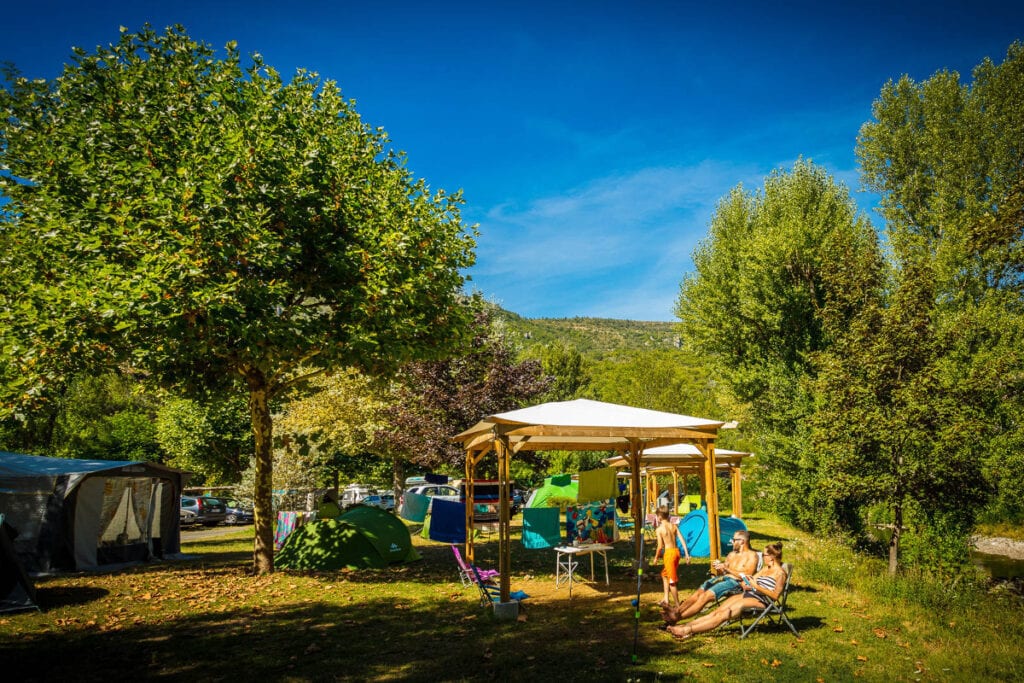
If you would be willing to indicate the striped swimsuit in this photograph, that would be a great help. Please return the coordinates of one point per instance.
(765, 582)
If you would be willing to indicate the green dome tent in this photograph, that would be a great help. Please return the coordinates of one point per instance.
(560, 489)
(362, 537)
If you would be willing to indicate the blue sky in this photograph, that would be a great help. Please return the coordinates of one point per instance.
(592, 139)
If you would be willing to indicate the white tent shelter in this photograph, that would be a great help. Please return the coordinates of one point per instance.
(581, 425)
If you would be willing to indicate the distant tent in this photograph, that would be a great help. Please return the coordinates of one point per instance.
(81, 514)
(557, 490)
(16, 589)
(694, 527)
(362, 537)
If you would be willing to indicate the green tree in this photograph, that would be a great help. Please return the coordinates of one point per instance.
(780, 271)
(947, 160)
(106, 417)
(568, 370)
(331, 422)
(211, 438)
(213, 224)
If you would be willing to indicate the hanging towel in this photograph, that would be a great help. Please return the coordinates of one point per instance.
(286, 523)
(597, 485)
(414, 507)
(541, 528)
(448, 521)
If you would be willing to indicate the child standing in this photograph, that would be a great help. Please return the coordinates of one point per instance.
(667, 535)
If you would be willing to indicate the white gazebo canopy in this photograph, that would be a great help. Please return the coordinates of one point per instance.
(581, 424)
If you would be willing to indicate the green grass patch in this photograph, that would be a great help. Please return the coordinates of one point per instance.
(207, 619)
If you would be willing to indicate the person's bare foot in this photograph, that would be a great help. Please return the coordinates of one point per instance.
(680, 632)
(669, 615)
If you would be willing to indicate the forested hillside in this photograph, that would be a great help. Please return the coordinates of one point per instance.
(591, 336)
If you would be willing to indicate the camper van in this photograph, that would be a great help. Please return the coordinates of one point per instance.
(354, 493)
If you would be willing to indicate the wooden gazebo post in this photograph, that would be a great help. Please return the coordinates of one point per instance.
(707, 449)
(674, 508)
(504, 536)
(635, 501)
(737, 492)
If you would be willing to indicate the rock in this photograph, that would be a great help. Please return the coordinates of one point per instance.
(998, 545)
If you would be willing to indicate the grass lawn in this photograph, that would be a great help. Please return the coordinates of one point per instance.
(205, 619)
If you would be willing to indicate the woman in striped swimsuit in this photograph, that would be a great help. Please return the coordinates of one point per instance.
(761, 590)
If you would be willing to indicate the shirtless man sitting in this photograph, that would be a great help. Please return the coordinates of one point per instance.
(724, 581)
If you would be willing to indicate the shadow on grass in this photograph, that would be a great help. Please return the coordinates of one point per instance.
(64, 596)
(374, 639)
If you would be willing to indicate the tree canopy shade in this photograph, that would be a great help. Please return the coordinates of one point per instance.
(210, 223)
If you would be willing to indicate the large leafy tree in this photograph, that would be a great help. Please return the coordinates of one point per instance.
(780, 271)
(947, 159)
(212, 223)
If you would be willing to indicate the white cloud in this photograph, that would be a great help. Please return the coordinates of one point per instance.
(614, 247)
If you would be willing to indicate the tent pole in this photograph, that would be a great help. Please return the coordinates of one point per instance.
(675, 492)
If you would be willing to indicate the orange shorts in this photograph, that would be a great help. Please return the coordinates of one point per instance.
(671, 570)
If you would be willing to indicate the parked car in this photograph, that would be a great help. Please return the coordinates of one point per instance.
(188, 518)
(209, 511)
(238, 512)
(385, 501)
(431, 490)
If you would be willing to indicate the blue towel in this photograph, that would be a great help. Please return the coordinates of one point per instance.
(541, 528)
(414, 507)
(448, 521)
(517, 595)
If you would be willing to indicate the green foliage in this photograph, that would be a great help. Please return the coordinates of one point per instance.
(213, 224)
(569, 371)
(592, 337)
(779, 278)
(211, 439)
(106, 417)
(946, 159)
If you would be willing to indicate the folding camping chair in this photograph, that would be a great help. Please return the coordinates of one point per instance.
(466, 576)
(775, 612)
(490, 593)
(625, 525)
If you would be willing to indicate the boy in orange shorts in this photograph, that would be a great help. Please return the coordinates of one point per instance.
(667, 535)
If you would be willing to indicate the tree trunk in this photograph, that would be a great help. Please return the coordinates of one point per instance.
(263, 508)
(894, 542)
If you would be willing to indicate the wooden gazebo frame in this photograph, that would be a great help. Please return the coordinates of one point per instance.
(684, 460)
(580, 425)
